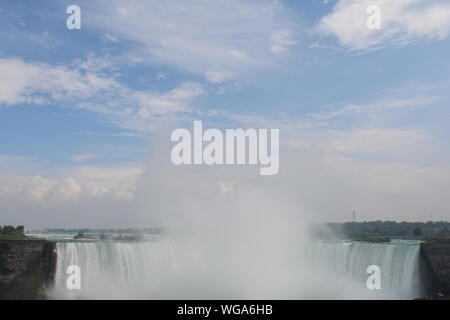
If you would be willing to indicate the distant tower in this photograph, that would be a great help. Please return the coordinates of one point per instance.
(354, 216)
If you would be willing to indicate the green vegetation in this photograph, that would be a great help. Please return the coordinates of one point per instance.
(10, 232)
(134, 237)
(417, 232)
(384, 230)
(103, 236)
(444, 232)
(374, 240)
(79, 235)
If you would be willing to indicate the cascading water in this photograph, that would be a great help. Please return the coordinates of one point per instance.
(398, 263)
(117, 269)
(164, 269)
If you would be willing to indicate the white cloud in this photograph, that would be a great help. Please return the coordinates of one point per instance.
(36, 83)
(238, 54)
(331, 117)
(77, 185)
(227, 187)
(110, 37)
(161, 76)
(85, 85)
(383, 105)
(380, 141)
(336, 132)
(102, 173)
(198, 36)
(403, 21)
(38, 190)
(281, 41)
(83, 157)
(218, 76)
(175, 100)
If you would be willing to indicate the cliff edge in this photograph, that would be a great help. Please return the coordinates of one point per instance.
(27, 267)
(436, 253)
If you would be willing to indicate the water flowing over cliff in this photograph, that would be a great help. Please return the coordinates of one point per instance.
(165, 269)
(116, 269)
(398, 263)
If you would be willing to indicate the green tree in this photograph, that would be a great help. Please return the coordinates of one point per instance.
(12, 232)
(444, 232)
(417, 232)
(79, 235)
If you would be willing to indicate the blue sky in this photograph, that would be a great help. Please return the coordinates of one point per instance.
(84, 104)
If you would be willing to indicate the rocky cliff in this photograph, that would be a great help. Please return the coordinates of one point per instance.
(27, 267)
(437, 255)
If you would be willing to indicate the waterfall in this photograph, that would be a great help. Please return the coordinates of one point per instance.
(166, 269)
(116, 269)
(398, 263)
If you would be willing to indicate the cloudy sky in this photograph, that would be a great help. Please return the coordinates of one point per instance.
(363, 114)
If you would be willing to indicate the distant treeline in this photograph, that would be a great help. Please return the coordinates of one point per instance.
(381, 229)
(100, 231)
(10, 232)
